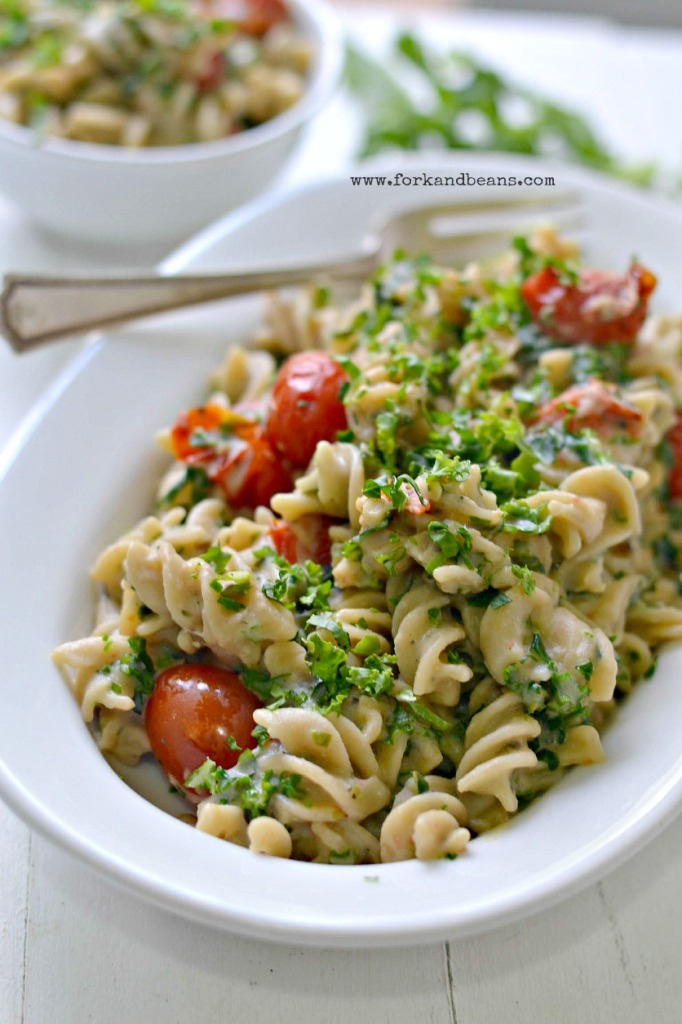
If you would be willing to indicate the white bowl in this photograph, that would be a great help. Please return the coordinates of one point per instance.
(83, 469)
(154, 195)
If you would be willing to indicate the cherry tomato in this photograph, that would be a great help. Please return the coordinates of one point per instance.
(594, 405)
(253, 472)
(254, 17)
(602, 307)
(231, 446)
(208, 421)
(307, 538)
(284, 540)
(261, 15)
(305, 406)
(192, 713)
(213, 72)
(674, 439)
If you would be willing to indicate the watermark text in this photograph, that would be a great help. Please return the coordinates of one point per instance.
(462, 180)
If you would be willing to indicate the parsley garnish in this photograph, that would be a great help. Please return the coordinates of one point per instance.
(489, 598)
(244, 785)
(395, 490)
(558, 699)
(139, 666)
(452, 544)
(218, 558)
(301, 586)
(192, 488)
(231, 589)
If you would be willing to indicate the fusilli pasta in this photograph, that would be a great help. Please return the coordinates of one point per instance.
(440, 609)
(134, 73)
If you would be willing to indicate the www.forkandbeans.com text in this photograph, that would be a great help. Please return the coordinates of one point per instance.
(462, 180)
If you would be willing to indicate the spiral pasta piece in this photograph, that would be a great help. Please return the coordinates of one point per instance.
(332, 487)
(193, 532)
(495, 746)
(567, 641)
(423, 641)
(365, 617)
(427, 826)
(333, 775)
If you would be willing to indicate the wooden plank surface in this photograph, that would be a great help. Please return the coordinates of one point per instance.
(15, 845)
(152, 963)
(608, 954)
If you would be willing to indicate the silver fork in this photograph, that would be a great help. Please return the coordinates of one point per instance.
(37, 308)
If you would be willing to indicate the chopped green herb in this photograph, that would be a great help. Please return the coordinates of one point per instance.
(139, 666)
(453, 545)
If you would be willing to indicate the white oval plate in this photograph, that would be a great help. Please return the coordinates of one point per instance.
(83, 468)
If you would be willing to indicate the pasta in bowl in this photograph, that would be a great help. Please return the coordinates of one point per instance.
(411, 553)
(135, 73)
(150, 119)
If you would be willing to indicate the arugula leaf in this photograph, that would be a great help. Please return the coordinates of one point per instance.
(462, 103)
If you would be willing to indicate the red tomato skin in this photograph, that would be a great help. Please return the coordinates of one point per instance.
(207, 418)
(254, 473)
(213, 73)
(253, 17)
(674, 439)
(305, 406)
(242, 463)
(601, 308)
(262, 15)
(307, 538)
(192, 711)
(284, 541)
(594, 406)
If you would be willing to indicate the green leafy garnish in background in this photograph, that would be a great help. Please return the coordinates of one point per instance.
(459, 103)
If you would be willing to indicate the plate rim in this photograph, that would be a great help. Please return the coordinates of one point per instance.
(542, 896)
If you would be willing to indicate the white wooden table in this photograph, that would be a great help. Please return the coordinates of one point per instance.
(75, 950)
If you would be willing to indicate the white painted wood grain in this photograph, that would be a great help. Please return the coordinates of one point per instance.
(14, 873)
(608, 955)
(97, 954)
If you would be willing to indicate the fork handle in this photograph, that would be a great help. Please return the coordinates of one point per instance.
(38, 308)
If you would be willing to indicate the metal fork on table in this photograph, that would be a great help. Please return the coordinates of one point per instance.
(35, 309)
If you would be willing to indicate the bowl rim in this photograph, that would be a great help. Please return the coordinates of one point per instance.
(317, 18)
